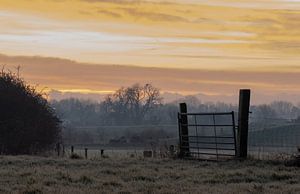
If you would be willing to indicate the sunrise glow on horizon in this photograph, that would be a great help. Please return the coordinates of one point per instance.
(212, 47)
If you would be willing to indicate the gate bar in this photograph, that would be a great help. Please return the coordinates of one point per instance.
(207, 114)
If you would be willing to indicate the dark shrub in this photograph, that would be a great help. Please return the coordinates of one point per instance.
(28, 124)
(75, 156)
(294, 161)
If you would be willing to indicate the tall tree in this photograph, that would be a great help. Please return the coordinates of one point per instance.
(132, 104)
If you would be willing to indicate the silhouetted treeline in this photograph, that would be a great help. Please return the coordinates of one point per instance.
(116, 111)
(127, 106)
(130, 113)
(27, 122)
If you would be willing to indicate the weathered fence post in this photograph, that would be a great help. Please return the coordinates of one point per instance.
(72, 149)
(184, 131)
(172, 150)
(63, 150)
(58, 149)
(86, 153)
(243, 124)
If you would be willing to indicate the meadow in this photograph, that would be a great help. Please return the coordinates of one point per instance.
(33, 175)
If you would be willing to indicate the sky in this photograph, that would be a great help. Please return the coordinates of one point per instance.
(212, 47)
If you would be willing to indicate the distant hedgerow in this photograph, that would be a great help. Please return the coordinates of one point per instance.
(28, 124)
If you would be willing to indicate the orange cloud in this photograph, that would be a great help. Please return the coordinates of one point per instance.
(66, 75)
(209, 46)
(146, 33)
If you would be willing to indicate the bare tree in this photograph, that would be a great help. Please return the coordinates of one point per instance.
(132, 103)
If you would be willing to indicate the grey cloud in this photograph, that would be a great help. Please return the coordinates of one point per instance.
(114, 1)
(224, 57)
(154, 16)
(109, 13)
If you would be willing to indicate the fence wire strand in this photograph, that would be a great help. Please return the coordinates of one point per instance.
(273, 136)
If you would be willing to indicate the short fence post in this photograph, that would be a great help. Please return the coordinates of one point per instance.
(244, 106)
(102, 153)
(72, 149)
(86, 153)
(172, 150)
(63, 150)
(184, 131)
(58, 149)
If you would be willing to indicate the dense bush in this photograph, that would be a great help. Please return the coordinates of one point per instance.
(28, 124)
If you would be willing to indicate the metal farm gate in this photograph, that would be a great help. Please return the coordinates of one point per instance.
(209, 136)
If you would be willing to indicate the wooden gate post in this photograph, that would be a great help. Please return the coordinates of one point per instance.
(184, 132)
(243, 124)
(86, 153)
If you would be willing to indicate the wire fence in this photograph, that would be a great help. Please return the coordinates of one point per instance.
(267, 137)
(270, 137)
(122, 140)
(159, 148)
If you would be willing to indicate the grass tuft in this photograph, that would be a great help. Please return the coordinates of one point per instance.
(85, 180)
(75, 156)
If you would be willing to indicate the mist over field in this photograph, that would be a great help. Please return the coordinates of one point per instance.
(149, 96)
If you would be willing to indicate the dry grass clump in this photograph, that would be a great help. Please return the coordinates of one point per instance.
(24, 174)
(75, 156)
(294, 160)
